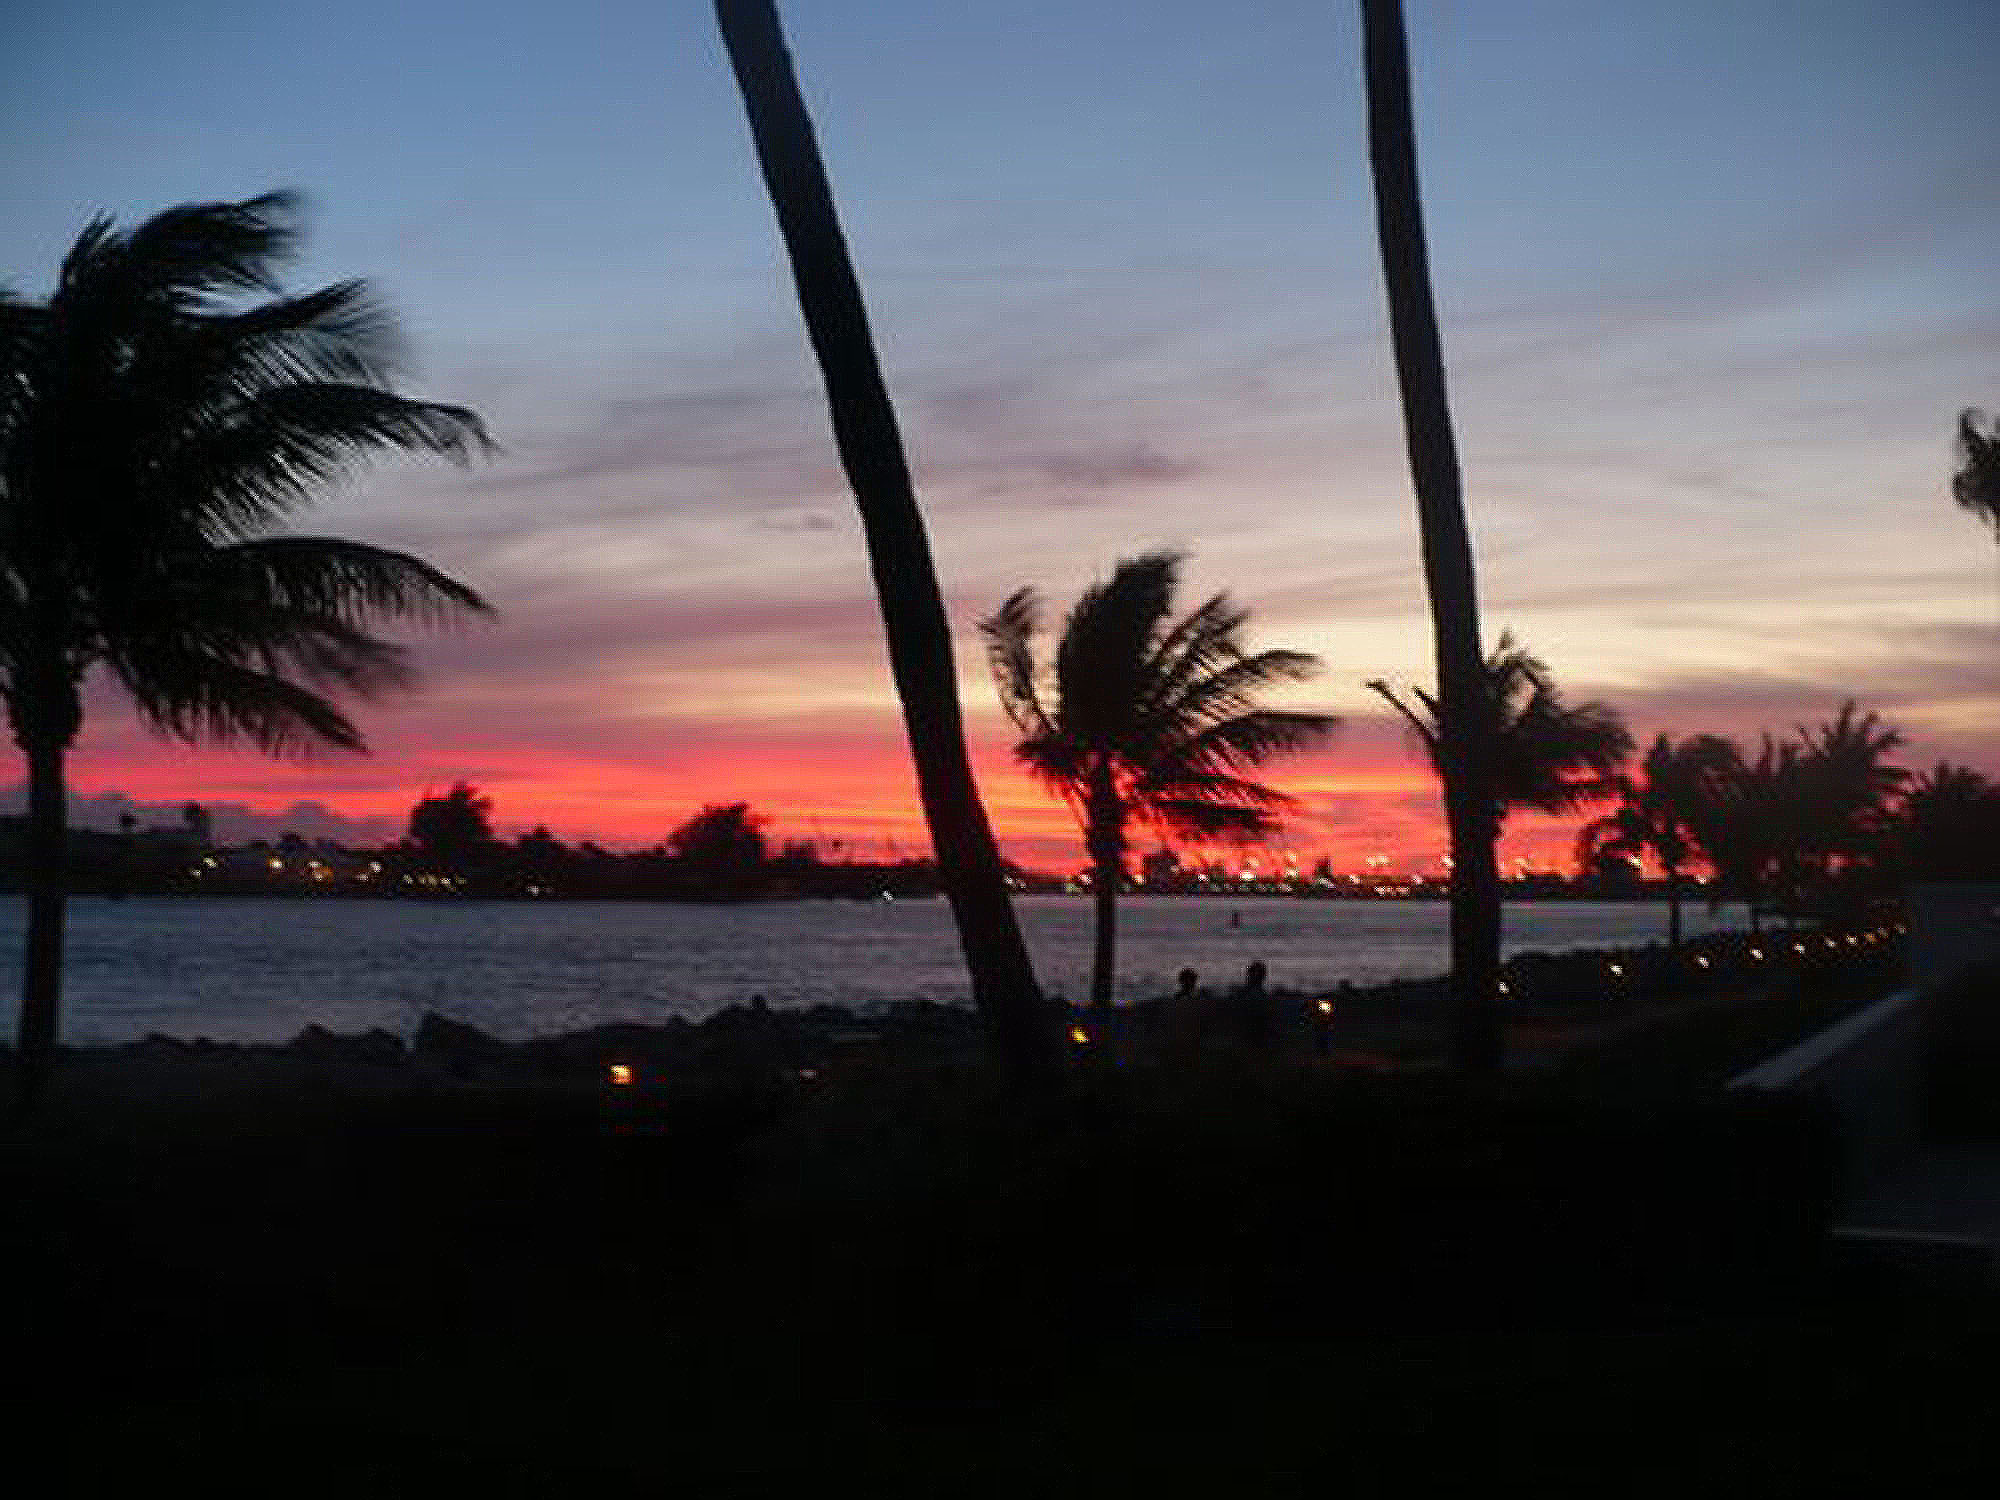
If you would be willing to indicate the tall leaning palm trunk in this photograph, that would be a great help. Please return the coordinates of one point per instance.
(906, 585)
(1464, 762)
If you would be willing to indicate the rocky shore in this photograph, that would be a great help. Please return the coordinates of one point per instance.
(1552, 999)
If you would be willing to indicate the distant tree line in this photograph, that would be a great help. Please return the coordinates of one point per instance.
(720, 853)
(450, 848)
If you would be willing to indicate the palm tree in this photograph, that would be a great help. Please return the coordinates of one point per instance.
(1976, 485)
(1463, 718)
(1152, 720)
(1853, 794)
(1808, 812)
(1855, 787)
(1950, 825)
(1664, 814)
(153, 433)
(906, 583)
(1755, 832)
(1548, 755)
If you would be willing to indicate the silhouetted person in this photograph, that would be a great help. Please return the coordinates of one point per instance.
(1252, 1009)
(1187, 1017)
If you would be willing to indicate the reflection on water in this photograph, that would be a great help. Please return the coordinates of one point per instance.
(260, 969)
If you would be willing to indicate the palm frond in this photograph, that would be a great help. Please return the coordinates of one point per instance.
(1107, 640)
(1010, 635)
(1546, 754)
(1248, 739)
(1623, 831)
(1202, 642)
(1976, 484)
(189, 254)
(338, 333)
(222, 702)
(271, 453)
(324, 577)
(1201, 821)
(1227, 691)
(1557, 758)
(1422, 727)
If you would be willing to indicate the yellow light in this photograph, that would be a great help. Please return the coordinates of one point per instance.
(1617, 969)
(1325, 1007)
(622, 1075)
(1798, 947)
(1078, 1035)
(1756, 952)
(1702, 961)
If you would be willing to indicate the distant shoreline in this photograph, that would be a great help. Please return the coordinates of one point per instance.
(1537, 898)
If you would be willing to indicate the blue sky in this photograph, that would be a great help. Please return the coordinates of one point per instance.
(1716, 279)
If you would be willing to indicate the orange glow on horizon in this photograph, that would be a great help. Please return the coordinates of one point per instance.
(855, 800)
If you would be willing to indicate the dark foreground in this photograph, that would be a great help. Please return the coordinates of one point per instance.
(1248, 1273)
(909, 1282)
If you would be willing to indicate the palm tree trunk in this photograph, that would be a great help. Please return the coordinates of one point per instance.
(1465, 728)
(906, 584)
(47, 885)
(1105, 878)
(1105, 840)
(1673, 910)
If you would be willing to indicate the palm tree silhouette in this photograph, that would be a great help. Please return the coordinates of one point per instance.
(1950, 825)
(1665, 813)
(1806, 809)
(1852, 788)
(1463, 717)
(1546, 754)
(906, 583)
(153, 433)
(1976, 485)
(1759, 827)
(1945, 786)
(1152, 720)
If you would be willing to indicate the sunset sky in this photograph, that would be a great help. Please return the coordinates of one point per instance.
(1715, 277)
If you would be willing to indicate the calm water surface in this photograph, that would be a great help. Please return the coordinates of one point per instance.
(259, 969)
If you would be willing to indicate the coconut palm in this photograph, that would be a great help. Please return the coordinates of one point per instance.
(906, 583)
(1950, 825)
(154, 433)
(1147, 719)
(1756, 831)
(1857, 786)
(1664, 814)
(1463, 753)
(1976, 485)
(1552, 756)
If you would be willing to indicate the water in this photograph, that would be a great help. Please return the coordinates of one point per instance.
(259, 969)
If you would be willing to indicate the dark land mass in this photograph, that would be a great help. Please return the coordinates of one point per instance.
(830, 1249)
